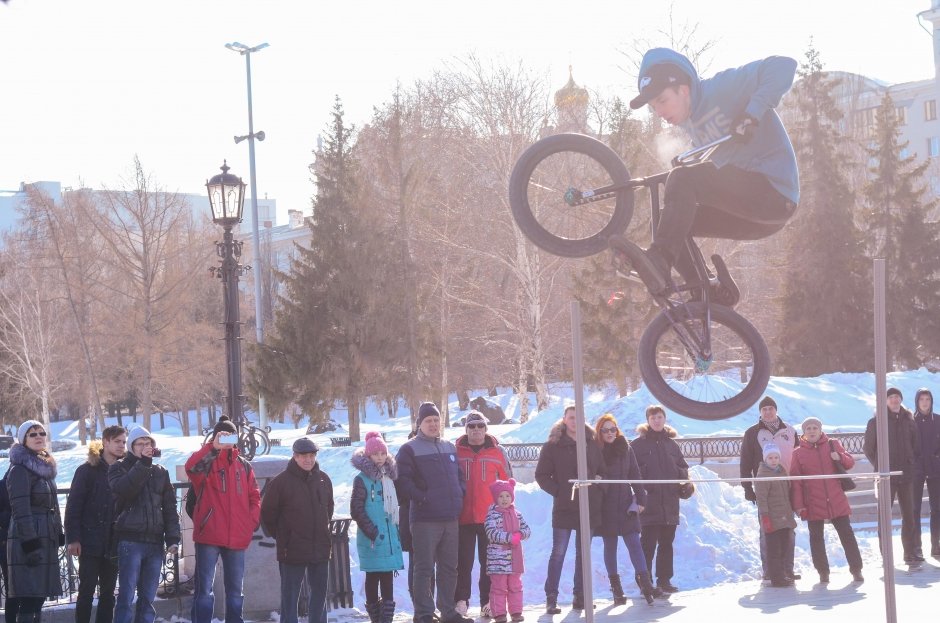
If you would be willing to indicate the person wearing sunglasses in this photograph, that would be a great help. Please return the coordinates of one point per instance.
(623, 504)
(36, 527)
(483, 461)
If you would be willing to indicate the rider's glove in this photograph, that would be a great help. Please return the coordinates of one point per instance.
(743, 129)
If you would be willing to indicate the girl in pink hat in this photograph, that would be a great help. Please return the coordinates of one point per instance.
(505, 529)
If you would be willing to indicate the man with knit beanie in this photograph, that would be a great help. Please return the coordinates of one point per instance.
(903, 455)
(145, 523)
(227, 513)
(770, 428)
(430, 479)
(482, 461)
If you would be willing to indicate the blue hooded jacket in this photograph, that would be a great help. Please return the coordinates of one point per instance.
(753, 89)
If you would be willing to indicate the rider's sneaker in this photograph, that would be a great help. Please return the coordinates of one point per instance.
(726, 292)
(650, 265)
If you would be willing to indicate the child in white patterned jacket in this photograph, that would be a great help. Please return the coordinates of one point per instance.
(505, 530)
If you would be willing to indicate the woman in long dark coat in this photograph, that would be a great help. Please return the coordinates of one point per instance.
(660, 458)
(620, 513)
(36, 526)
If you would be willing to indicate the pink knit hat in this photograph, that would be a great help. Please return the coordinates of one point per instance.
(503, 485)
(375, 443)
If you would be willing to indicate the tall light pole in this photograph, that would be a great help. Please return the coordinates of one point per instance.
(246, 51)
(227, 200)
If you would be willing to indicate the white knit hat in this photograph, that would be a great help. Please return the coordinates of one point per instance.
(24, 428)
(137, 432)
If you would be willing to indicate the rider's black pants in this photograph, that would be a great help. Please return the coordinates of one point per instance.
(703, 200)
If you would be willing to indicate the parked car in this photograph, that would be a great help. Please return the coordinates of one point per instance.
(321, 428)
(6, 441)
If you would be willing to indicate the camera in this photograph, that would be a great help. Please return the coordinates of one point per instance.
(156, 453)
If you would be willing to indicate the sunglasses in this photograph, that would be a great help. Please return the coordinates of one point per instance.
(39, 433)
(609, 429)
(475, 426)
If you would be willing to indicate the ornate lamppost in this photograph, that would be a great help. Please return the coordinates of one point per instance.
(227, 199)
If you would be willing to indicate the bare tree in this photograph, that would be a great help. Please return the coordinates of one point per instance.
(30, 329)
(143, 228)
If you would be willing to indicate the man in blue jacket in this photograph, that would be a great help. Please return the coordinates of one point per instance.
(749, 187)
(927, 469)
(431, 481)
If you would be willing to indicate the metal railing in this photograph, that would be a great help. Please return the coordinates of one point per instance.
(700, 448)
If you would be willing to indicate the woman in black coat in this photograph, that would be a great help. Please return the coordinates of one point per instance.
(659, 458)
(620, 513)
(558, 464)
(36, 527)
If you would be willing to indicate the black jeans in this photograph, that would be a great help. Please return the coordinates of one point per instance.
(903, 490)
(95, 571)
(11, 606)
(817, 544)
(471, 537)
(657, 543)
(777, 543)
(933, 492)
(703, 200)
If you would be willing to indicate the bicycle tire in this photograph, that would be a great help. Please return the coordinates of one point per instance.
(581, 160)
(247, 445)
(690, 390)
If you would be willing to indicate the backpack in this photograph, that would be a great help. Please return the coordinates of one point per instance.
(191, 498)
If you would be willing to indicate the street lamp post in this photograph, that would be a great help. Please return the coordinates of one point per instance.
(227, 200)
(246, 51)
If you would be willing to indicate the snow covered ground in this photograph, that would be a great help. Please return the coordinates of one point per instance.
(717, 559)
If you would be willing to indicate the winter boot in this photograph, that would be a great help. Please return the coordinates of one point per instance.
(645, 583)
(517, 617)
(374, 611)
(551, 604)
(617, 590)
(388, 611)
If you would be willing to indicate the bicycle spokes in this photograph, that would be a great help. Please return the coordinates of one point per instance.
(566, 193)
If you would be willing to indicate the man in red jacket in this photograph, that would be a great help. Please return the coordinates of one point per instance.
(482, 461)
(228, 510)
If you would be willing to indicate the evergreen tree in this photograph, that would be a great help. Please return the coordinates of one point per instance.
(903, 231)
(335, 329)
(615, 312)
(827, 305)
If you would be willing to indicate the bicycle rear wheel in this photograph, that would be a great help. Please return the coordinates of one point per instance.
(697, 384)
(552, 199)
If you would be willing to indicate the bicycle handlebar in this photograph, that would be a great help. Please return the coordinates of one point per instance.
(698, 154)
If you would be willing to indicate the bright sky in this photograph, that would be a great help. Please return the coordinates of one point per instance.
(87, 84)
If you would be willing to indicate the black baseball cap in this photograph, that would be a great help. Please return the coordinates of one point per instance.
(657, 78)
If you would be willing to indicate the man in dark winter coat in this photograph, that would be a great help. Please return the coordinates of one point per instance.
(558, 463)
(227, 513)
(296, 510)
(482, 461)
(903, 455)
(770, 428)
(927, 469)
(430, 479)
(88, 516)
(146, 521)
(659, 458)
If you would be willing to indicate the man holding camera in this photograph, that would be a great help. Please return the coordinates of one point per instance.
(227, 513)
(146, 521)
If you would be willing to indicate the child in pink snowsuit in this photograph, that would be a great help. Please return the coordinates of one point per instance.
(505, 529)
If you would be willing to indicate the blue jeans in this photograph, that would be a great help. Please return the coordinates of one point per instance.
(318, 575)
(138, 571)
(233, 571)
(556, 560)
(634, 548)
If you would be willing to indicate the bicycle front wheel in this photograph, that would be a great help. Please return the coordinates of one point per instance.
(553, 199)
(704, 363)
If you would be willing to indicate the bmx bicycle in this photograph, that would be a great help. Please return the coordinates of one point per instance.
(572, 196)
(252, 440)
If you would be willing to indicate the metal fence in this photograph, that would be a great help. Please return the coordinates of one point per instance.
(339, 592)
(699, 448)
